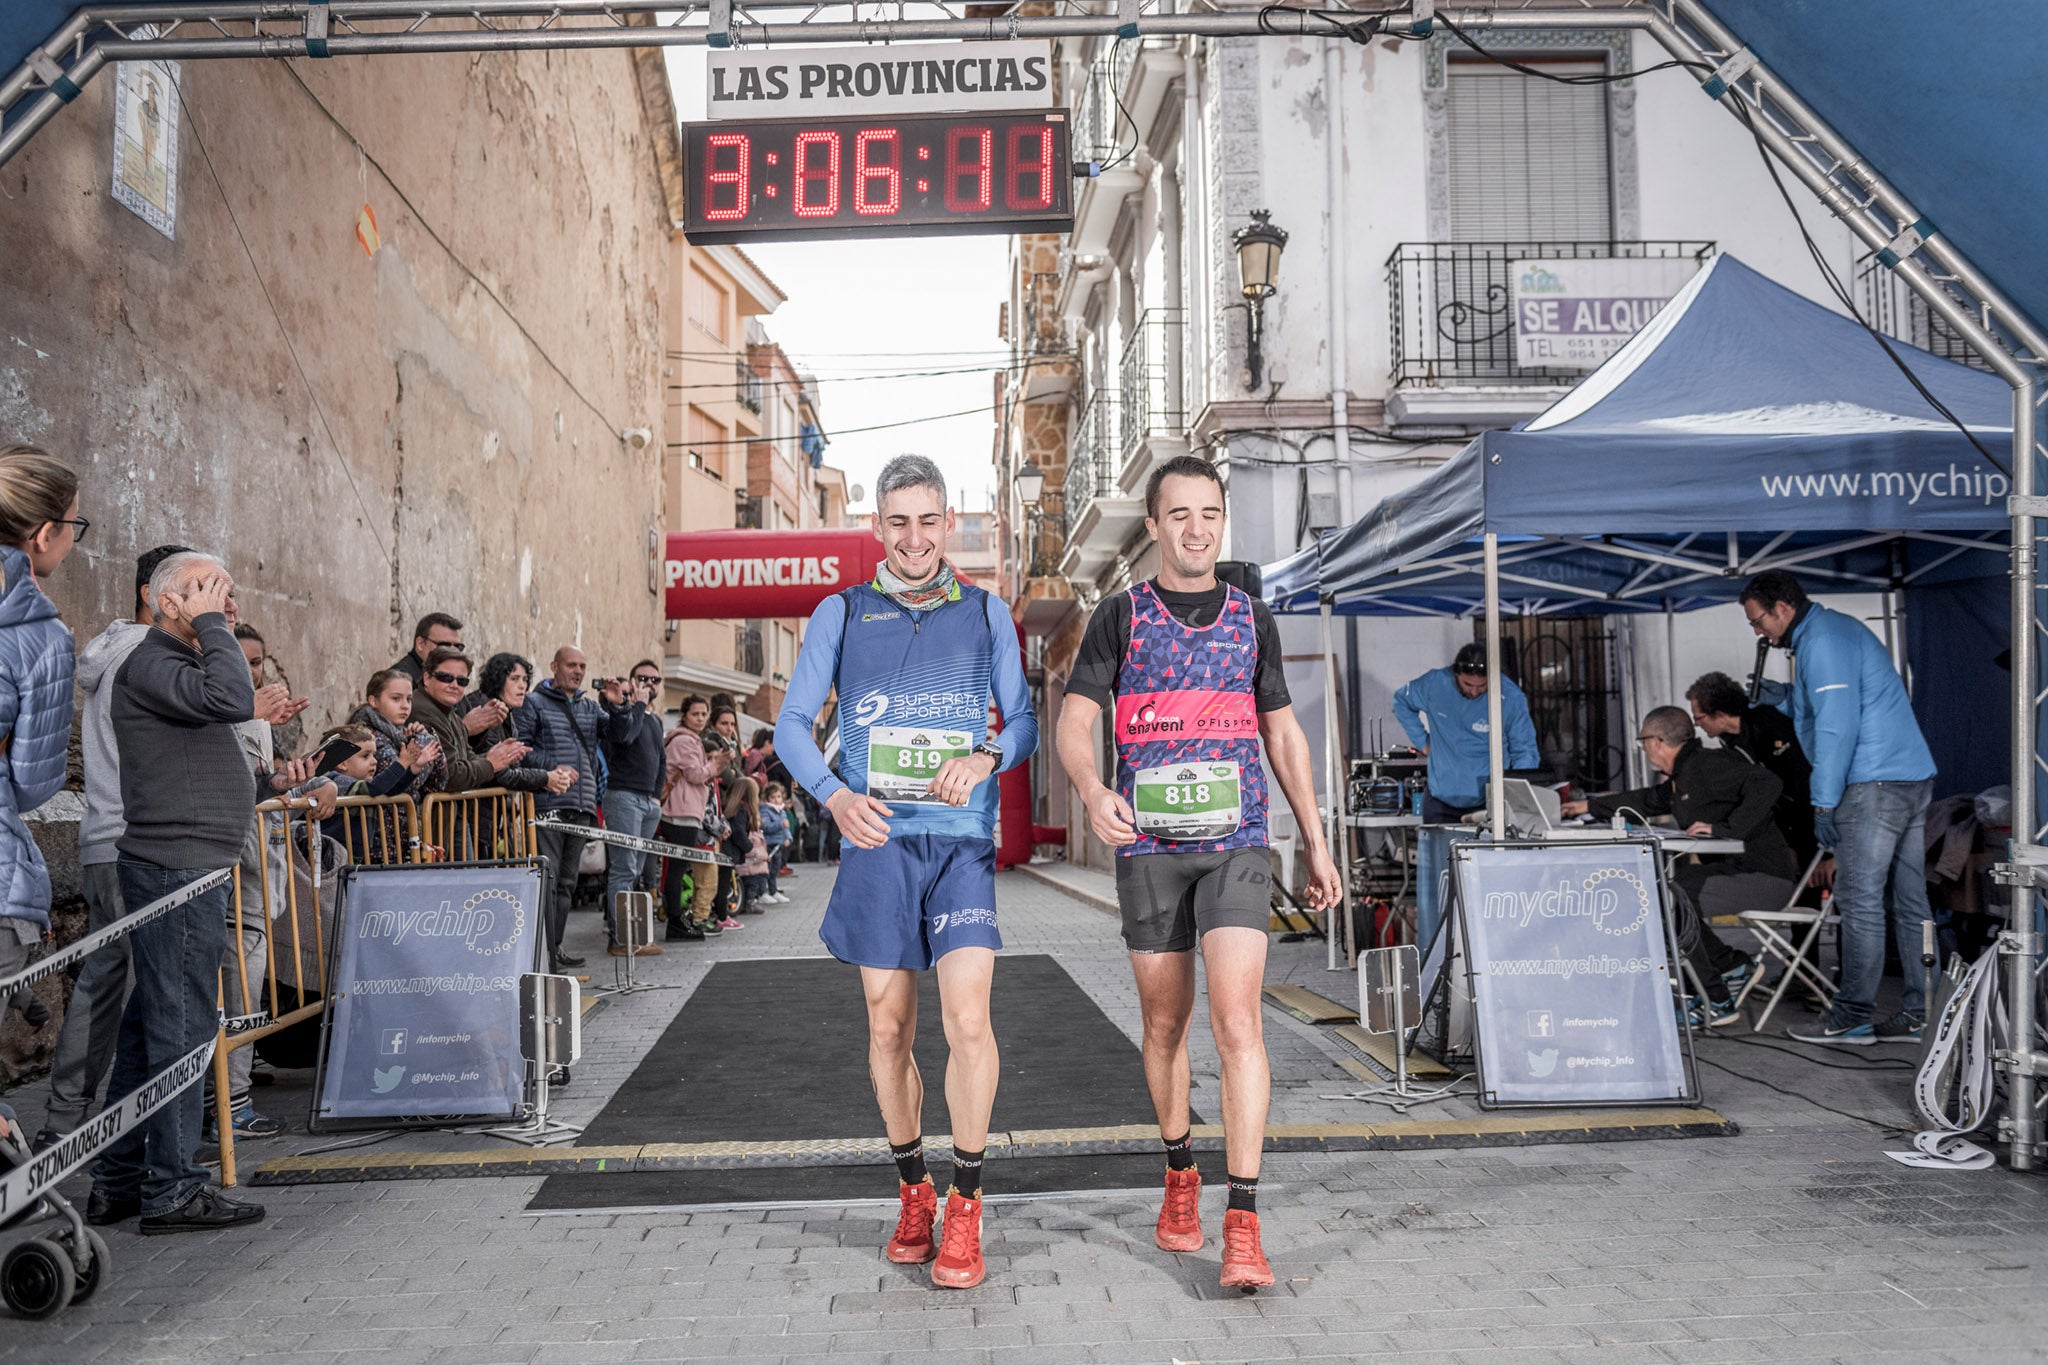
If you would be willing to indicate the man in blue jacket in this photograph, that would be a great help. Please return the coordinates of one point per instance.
(1444, 713)
(917, 656)
(1872, 777)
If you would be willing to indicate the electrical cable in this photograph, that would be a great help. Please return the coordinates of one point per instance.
(842, 431)
(609, 425)
(772, 382)
(1878, 1124)
(319, 411)
(1588, 78)
(1879, 1064)
(1132, 150)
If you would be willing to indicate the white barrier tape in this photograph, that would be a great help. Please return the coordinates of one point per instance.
(1954, 1088)
(127, 924)
(679, 852)
(245, 1023)
(23, 1187)
(1945, 1152)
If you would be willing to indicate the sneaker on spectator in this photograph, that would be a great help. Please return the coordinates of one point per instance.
(730, 923)
(1736, 977)
(250, 1124)
(1830, 1030)
(1900, 1028)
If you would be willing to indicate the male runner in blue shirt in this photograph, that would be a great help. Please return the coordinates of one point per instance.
(916, 656)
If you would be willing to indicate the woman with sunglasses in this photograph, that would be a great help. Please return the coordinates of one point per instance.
(39, 525)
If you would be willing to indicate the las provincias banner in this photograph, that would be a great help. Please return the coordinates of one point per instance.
(720, 575)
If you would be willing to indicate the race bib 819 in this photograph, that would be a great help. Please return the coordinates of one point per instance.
(903, 760)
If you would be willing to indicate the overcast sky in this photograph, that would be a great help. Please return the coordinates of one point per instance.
(891, 307)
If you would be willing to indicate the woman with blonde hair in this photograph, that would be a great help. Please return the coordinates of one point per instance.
(39, 525)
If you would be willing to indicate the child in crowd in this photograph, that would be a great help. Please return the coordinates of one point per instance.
(358, 773)
(388, 714)
(743, 816)
(775, 833)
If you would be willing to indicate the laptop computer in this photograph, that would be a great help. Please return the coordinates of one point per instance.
(1537, 812)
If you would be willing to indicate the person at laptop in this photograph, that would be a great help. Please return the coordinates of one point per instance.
(1715, 794)
(1721, 710)
(1444, 713)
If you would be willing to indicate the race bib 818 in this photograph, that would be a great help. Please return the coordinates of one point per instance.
(1193, 801)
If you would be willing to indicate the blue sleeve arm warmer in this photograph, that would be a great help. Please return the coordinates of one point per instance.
(1012, 692)
(816, 666)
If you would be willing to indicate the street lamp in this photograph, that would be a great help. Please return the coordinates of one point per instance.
(1259, 245)
(1030, 482)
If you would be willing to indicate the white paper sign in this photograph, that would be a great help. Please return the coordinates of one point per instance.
(896, 78)
(1571, 315)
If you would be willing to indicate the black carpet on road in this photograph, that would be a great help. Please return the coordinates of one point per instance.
(777, 1051)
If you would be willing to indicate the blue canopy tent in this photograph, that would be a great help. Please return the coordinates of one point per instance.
(1744, 428)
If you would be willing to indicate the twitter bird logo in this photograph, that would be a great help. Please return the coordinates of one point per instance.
(386, 1079)
(1541, 1064)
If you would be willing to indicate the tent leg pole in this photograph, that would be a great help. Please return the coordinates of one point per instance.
(1337, 923)
(1670, 653)
(1496, 758)
(2025, 776)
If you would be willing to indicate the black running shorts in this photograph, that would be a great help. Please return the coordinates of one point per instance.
(1169, 900)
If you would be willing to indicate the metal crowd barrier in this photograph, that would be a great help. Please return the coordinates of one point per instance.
(292, 887)
(477, 825)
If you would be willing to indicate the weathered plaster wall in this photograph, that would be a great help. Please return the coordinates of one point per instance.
(458, 447)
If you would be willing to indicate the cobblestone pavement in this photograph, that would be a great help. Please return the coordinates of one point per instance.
(1795, 1240)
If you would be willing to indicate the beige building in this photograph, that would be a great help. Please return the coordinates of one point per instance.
(465, 419)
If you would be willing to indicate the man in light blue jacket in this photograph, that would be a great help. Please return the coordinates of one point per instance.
(1453, 702)
(1872, 778)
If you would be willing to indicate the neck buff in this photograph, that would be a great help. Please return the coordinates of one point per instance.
(942, 587)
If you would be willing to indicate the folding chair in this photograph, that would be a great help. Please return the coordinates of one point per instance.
(1776, 931)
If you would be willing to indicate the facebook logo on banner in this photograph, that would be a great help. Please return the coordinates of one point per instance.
(1540, 1025)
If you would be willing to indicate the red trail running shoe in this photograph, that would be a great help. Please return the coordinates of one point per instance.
(1180, 1217)
(912, 1244)
(960, 1265)
(1244, 1264)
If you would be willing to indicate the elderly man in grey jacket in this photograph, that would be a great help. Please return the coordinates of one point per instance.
(186, 796)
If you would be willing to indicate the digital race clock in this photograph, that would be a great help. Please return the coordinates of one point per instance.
(881, 177)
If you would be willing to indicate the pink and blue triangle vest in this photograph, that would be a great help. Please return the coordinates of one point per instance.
(1185, 693)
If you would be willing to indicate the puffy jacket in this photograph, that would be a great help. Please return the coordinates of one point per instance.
(562, 730)
(521, 776)
(1456, 737)
(694, 774)
(1850, 708)
(774, 825)
(37, 658)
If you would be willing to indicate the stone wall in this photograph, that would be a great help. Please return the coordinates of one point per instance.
(363, 437)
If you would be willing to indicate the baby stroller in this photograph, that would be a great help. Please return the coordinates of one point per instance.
(44, 1275)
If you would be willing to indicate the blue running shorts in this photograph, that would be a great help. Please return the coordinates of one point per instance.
(908, 903)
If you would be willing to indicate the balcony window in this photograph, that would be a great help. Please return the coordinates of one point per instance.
(1527, 160)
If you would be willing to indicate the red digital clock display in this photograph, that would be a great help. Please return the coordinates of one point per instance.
(877, 177)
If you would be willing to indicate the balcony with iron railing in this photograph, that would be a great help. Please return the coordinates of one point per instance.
(1045, 534)
(748, 655)
(1152, 423)
(1099, 514)
(746, 384)
(1451, 314)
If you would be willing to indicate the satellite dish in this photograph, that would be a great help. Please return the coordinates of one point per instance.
(856, 493)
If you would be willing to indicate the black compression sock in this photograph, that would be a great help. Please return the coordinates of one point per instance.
(967, 1172)
(1244, 1193)
(1180, 1152)
(909, 1160)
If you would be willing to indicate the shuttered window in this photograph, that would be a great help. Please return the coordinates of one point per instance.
(1527, 157)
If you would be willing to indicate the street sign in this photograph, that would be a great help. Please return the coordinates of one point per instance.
(827, 82)
(1390, 989)
(794, 178)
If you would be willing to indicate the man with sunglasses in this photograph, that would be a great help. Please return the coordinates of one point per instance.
(632, 800)
(1444, 713)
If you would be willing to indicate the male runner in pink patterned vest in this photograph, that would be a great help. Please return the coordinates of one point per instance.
(1189, 668)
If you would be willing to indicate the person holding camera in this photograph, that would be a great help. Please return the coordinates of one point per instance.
(634, 755)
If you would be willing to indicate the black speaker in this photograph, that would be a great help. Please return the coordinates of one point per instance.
(1241, 574)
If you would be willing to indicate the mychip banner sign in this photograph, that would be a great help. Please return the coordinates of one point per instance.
(423, 1016)
(880, 79)
(1571, 983)
(1572, 314)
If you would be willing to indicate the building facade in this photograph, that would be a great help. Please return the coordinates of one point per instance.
(1409, 176)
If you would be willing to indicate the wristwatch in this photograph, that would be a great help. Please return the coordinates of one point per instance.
(991, 751)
